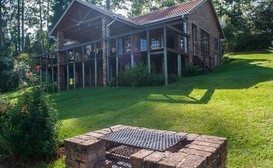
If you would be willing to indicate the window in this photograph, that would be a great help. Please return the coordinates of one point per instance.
(143, 44)
(182, 43)
(156, 41)
(127, 44)
(205, 41)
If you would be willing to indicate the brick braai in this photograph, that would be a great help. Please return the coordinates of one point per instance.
(201, 151)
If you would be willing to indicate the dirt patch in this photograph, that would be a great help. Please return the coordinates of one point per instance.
(18, 163)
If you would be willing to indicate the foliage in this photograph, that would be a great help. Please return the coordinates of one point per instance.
(28, 127)
(247, 24)
(192, 70)
(138, 76)
(8, 78)
(270, 49)
(226, 60)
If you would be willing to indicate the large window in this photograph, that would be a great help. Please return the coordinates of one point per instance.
(156, 40)
(125, 45)
(205, 41)
(143, 44)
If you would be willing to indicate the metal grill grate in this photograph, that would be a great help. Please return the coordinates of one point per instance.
(144, 139)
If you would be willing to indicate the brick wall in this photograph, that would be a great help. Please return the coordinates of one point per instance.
(203, 18)
(200, 151)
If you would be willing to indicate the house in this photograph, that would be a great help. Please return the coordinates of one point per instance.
(95, 44)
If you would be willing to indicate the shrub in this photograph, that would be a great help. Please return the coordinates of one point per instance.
(173, 78)
(137, 76)
(29, 126)
(8, 79)
(192, 70)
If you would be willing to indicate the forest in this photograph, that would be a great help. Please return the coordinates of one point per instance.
(24, 27)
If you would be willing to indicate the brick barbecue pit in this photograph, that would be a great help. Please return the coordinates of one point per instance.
(97, 149)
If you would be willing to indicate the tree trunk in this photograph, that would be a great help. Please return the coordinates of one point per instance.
(18, 27)
(47, 23)
(41, 26)
(1, 28)
(23, 25)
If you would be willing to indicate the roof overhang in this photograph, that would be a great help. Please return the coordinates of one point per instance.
(53, 32)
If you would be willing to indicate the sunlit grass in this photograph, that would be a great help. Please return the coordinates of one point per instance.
(235, 101)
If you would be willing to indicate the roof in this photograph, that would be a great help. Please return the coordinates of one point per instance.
(176, 10)
(153, 17)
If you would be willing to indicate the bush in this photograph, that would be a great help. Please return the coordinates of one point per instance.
(226, 60)
(192, 70)
(29, 127)
(8, 78)
(173, 78)
(138, 76)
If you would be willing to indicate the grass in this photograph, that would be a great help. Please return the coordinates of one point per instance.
(235, 101)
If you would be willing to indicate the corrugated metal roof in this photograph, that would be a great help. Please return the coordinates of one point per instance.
(166, 13)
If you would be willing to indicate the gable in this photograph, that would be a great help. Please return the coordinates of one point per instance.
(206, 18)
(80, 15)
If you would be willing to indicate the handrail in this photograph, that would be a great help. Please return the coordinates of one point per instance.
(204, 54)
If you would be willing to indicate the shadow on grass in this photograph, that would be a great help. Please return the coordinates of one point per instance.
(239, 74)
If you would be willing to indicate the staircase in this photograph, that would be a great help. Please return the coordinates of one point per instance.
(202, 59)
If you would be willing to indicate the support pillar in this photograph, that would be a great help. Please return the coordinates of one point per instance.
(52, 73)
(67, 71)
(179, 68)
(96, 70)
(165, 56)
(104, 54)
(108, 61)
(60, 70)
(132, 52)
(74, 75)
(83, 69)
(117, 60)
(185, 38)
(148, 51)
(46, 75)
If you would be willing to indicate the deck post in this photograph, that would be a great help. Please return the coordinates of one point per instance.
(74, 75)
(67, 71)
(90, 75)
(96, 69)
(179, 68)
(46, 73)
(165, 55)
(132, 51)
(117, 60)
(104, 54)
(148, 51)
(107, 61)
(185, 38)
(52, 73)
(74, 69)
(83, 68)
(60, 70)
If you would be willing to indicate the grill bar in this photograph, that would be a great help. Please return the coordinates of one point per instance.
(144, 139)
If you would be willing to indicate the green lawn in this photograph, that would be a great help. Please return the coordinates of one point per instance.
(235, 101)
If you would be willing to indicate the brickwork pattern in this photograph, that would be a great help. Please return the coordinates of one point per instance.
(198, 151)
(203, 18)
